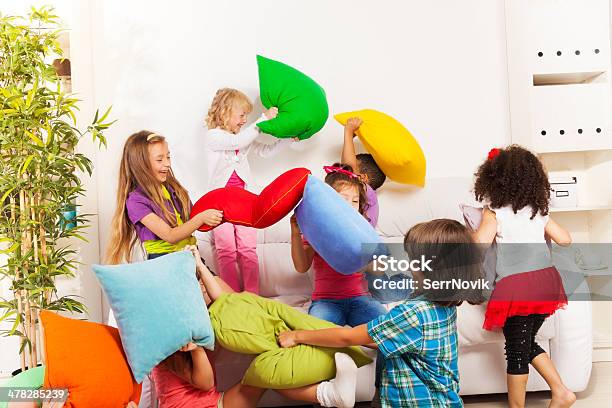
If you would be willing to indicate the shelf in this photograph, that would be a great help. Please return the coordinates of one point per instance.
(582, 208)
(569, 152)
(570, 78)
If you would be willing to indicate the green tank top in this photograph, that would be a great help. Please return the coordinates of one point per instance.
(159, 246)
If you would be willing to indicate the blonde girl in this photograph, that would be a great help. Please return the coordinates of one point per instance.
(229, 142)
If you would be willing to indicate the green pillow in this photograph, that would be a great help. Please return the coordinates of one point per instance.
(32, 378)
(301, 102)
(249, 324)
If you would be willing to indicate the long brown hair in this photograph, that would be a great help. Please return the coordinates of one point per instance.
(450, 246)
(514, 177)
(339, 179)
(135, 171)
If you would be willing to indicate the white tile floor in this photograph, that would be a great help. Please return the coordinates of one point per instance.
(597, 395)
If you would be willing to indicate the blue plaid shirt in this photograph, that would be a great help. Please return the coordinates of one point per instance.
(419, 341)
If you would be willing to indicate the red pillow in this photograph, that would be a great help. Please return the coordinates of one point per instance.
(260, 211)
(88, 359)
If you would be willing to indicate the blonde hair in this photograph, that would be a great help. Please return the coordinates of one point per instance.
(135, 171)
(225, 100)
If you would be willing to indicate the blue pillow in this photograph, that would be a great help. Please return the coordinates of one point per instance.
(342, 236)
(159, 308)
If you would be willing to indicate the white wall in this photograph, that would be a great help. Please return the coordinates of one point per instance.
(438, 66)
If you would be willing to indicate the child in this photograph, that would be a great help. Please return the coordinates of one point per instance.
(340, 299)
(152, 206)
(228, 145)
(187, 378)
(514, 185)
(366, 168)
(418, 338)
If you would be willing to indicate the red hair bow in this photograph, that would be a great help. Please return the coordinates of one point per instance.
(336, 169)
(493, 153)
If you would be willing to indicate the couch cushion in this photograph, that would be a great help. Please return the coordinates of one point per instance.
(469, 327)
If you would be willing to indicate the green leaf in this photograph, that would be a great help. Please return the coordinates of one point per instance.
(105, 114)
(35, 138)
(26, 164)
(7, 315)
(15, 325)
(31, 93)
(5, 195)
(10, 250)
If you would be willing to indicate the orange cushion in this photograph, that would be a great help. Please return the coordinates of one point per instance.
(87, 359)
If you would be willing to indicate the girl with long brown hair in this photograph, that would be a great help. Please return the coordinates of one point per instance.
(152, 206)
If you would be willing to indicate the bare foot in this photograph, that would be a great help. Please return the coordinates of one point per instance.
(563, 399)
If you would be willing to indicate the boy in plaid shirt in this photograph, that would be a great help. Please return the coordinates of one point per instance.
(418, 337)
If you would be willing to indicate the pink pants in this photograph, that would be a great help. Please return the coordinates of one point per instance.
(236, 247)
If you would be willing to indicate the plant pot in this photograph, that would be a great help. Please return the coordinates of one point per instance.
(18, 371)
(68, 215)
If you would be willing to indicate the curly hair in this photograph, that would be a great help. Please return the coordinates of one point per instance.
(515, 177)
(368, 166)
(225, 100)
(337, 180)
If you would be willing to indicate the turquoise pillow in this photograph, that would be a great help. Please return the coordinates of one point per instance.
(301, 102)
(158, 306)
(32, 378)
(342, 236)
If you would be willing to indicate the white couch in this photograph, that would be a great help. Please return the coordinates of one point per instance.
(566, 335)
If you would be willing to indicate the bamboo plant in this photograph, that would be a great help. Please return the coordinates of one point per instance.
(40, 172)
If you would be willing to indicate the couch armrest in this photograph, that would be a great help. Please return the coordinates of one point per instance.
(571, 349)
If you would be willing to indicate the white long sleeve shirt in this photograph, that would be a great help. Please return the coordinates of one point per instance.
(223, 160)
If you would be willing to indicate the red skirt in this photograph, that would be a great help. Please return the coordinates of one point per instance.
(522, 294)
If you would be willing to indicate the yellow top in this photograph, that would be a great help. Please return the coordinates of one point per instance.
(159, 246)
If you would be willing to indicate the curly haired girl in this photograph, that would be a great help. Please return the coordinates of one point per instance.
(514, 186)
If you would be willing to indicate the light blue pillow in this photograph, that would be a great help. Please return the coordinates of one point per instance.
(159, 308)
(342, 236)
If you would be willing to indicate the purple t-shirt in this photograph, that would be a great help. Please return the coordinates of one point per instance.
(372, 211)
(138, 206)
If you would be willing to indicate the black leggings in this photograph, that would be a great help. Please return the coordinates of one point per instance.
(521, 347)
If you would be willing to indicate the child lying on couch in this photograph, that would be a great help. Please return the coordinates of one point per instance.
(187, 378)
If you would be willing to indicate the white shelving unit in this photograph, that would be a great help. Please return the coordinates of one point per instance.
(559, 71)
(605, 207)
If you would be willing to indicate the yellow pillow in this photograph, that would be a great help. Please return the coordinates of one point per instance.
(393, 147)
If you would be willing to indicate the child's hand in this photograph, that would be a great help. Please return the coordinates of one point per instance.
(196, 254)
(188, 347)
(271, 113)
(131, 404)
(295, 228)
(287, 339)
(353, 124)
(211, 217)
